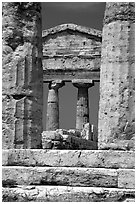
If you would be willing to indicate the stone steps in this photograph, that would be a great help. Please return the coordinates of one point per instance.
(66, 194)
(72, 176)
(68, 175)
(69, 158)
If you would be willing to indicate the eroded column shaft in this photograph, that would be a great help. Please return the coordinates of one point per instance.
(22, 85)
(82, 114)
(117, 78)
(52, 120)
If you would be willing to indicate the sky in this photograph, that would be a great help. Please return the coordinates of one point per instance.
(89, 14)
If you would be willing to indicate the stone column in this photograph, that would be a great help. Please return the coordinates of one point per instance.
(117, 78)
(52, 120)
(82, 115)
(22, 85)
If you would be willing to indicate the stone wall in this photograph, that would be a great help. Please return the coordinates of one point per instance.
(117, 78)
(22, 81)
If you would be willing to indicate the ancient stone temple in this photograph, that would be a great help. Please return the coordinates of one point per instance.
(75, 165)
(71, 53)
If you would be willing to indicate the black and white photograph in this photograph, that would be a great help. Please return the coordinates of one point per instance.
(68, 101)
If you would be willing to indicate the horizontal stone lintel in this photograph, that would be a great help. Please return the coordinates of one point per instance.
(71, 176)
(69, 158)
(50, 75)
(66, 193)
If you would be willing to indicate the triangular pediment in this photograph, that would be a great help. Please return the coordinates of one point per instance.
(74, 28)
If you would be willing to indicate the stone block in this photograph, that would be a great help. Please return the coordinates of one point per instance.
(70, 158)
(66, 194)
(120, 145)
(60, 176)
(126, 178)
(62, 131)
(68, 141)
(51, 135)
(74, 132)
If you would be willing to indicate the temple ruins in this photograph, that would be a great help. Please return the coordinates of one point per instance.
(82, 164)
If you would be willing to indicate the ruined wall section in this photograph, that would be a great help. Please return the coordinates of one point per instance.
(70, 47)
(117, 78)
(22, 84)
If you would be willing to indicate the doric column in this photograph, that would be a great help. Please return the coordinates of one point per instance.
(82, 115)
(52, 120)
(117, 78)
(22, 85)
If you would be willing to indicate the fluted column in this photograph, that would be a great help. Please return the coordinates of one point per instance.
(82, 115)
(117, 78)
(52, 120)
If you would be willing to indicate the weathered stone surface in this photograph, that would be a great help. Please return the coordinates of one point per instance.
(70, 47)
(117, 78)
(123, 11)
(60, 176)
(21, 118)
(68, 75)
(17, 135)
(120, 145)
(70, 158)
(126, 178)
(74, 132)
(69, 141)
(22, 82)
(74, 142)
(24, 107)
(62, 131)
(52, 135)
(73, 27)
(71, 63)
(66, 194)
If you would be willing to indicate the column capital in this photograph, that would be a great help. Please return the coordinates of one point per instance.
(83, 83)
(56, 84)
